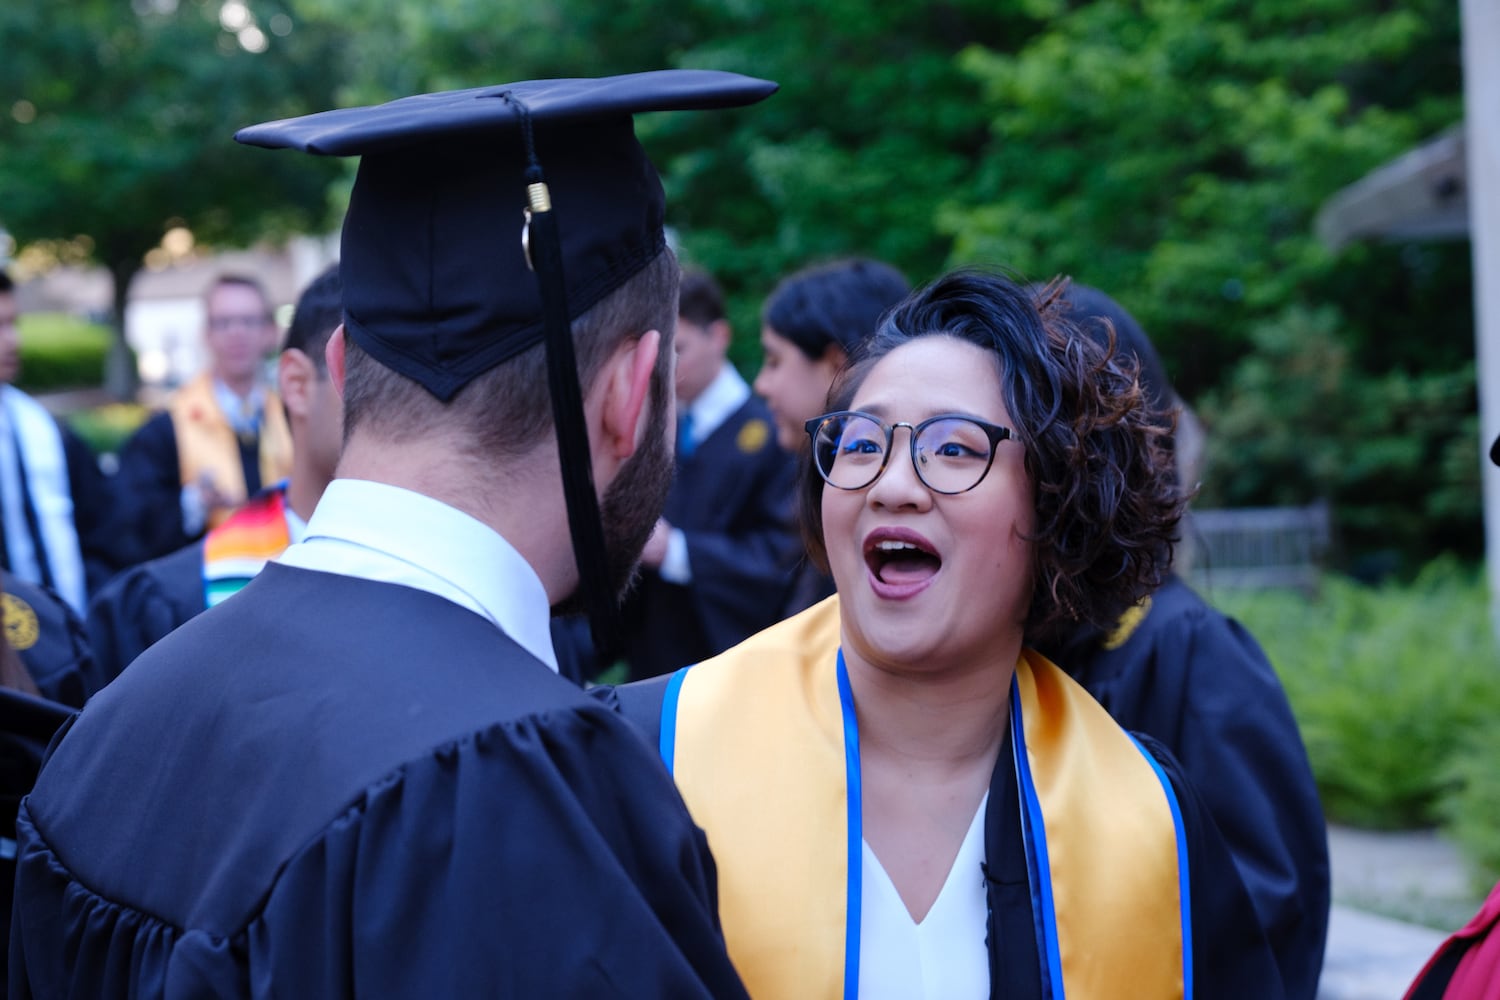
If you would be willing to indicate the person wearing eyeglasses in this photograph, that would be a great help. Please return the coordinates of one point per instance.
(903, 798)
(223, 435)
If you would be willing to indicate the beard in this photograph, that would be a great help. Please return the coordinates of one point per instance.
(633, 502)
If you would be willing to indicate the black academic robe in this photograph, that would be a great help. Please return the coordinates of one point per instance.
(329, 787)
(27, 725)
(732, 499)
(150, 479)
(142, 604)
(50, 638)
(1199, 683)
(1231, 958)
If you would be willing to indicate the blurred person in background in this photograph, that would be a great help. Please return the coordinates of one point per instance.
(145, 602)
(809, 324)
(717, 567)
(57, 528)
(221, 439)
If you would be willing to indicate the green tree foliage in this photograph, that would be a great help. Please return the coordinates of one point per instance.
(873, 129)
(1300, 417)
(115, 121)
(1175, 152)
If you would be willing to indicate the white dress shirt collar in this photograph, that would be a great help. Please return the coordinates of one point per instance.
(718, 402)
(379, 532)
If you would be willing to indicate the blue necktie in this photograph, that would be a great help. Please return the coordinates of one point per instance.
(685, 442)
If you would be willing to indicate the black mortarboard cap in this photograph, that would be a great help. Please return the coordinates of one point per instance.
(1089, 307)
(437, 282)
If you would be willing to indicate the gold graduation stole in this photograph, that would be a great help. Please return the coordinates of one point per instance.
(763, 743)
(241, 546)
(207, 444)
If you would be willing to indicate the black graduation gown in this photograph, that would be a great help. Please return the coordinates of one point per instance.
(331, 787)
(732, 499)
(150, 480)
(1231, 958)
(1199, 683)
(142, 604)
(27, 725)
(49, 637)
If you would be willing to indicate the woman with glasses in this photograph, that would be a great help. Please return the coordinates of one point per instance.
(902, 798)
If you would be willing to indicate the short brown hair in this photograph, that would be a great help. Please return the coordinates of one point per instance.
(507, 410)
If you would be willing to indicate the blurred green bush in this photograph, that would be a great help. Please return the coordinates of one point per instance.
(1397, 692)
(60, 351)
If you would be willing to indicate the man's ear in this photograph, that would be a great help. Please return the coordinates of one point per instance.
(296, 376)
(626, 385)
(333, 357)
(721, 334)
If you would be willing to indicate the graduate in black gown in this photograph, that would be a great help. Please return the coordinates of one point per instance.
(361, 775)
(1177, 669)
(904, 798)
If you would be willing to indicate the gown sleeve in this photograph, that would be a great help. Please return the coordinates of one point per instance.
(52, 643)
(141, 605)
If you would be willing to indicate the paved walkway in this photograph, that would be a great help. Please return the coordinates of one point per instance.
(1386, 887)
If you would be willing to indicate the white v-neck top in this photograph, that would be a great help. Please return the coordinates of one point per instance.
(943, 957)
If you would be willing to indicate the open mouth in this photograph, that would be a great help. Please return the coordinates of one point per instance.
(901, 562)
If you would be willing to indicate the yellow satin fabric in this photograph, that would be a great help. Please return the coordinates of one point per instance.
(760, 761)
(206, 442)
(1111, 842)
(757, 748)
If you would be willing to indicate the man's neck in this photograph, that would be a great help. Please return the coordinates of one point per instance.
(303, 491)
(522, 500)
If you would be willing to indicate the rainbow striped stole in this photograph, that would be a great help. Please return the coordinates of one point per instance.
(763, 743)
(241, 546)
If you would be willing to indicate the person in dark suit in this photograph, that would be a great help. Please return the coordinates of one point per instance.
(56, 523)
(717, 566)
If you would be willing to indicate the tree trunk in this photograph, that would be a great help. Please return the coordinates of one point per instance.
(122, 379)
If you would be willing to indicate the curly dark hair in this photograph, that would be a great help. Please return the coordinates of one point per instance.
(1104, 487)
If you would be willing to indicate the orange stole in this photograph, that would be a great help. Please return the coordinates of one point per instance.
(241, 546)
(755, 740)
(207, 445)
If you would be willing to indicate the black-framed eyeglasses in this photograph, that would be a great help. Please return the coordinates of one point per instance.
(951, 453)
